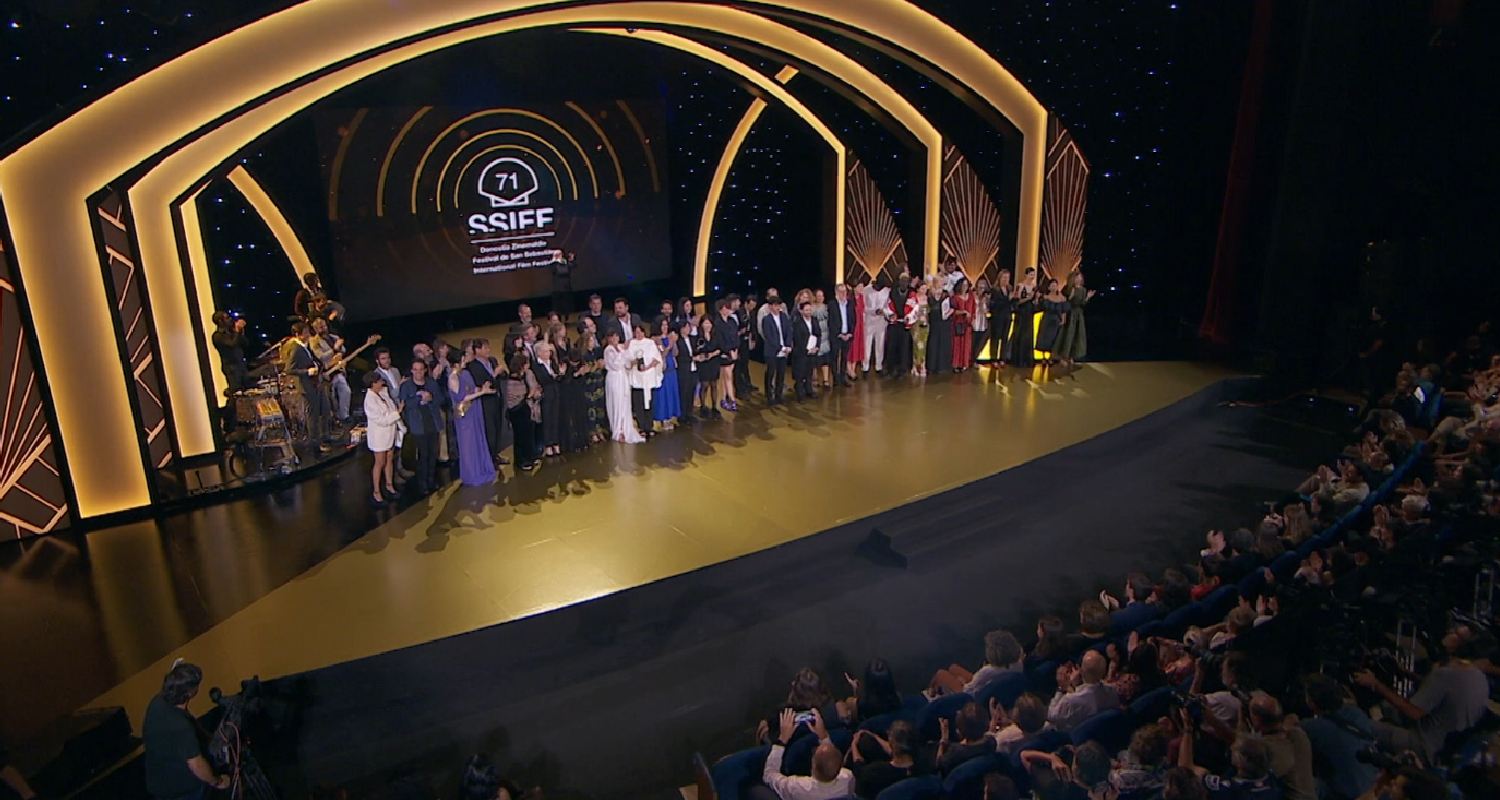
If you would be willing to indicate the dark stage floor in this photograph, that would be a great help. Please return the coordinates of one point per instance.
(608, 699)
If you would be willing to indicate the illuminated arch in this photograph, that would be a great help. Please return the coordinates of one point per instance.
(237, 86)
(270, 214)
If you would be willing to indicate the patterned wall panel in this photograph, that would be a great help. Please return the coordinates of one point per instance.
(32, 498)
(871, 236)
(1064, 203)
(124, 281)
(971, 221)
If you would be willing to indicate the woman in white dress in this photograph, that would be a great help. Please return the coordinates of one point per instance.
(382, 431)
(617, 366)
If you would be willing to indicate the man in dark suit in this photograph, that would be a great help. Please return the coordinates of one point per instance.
(804, 351)
(596, 313)
(306, 367)
(776, 335)
(621, 321)
(523, 312)
(841, 319)
(744, 319)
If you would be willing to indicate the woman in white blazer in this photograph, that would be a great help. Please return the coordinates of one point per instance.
(382, 434)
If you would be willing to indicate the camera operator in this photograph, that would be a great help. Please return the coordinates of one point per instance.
(176, 768)
(1338, 731)
(1252, 779)
(1452, 698)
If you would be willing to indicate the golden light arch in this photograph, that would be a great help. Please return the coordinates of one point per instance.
(231, 90)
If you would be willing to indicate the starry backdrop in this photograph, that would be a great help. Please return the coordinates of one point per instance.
(1148, 88)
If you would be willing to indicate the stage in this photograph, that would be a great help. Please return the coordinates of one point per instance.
(259, 585)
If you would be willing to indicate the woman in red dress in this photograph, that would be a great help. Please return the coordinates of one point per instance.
(857, 344)
(962, 303)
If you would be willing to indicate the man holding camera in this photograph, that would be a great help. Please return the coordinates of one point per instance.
(1452, 698)
(176, 768)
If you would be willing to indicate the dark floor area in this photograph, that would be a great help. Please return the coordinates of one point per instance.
(608, 699)
(109, 602)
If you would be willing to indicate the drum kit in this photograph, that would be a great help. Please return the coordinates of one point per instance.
(274, 413)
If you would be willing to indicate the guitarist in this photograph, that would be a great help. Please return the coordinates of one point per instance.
(334, 371)
(305, 366)
(328, 347)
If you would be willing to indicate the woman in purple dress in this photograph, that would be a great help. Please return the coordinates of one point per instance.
(474, 465)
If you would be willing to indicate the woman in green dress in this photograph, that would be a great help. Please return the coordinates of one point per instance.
(916, 319)
(1072, 343)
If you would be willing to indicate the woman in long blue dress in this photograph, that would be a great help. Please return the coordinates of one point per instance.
(475, 468)
(666, 400)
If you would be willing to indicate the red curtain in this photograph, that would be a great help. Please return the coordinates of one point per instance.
(1218, 311)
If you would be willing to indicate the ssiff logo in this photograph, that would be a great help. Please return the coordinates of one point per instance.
(509, 183)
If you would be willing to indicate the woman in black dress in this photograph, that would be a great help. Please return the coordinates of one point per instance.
(593, 382)
(549, 373)
(575, 402)
(706, 354)
(1054, 310)
(1023, 342)
(687, 368)
(939, 330)
(1001, 311)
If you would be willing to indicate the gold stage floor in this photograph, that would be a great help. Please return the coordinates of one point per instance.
(620, 516)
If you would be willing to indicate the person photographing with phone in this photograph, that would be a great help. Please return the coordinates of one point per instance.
(829, 778)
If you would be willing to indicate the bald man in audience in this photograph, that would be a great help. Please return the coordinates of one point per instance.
(1081, 692)
(829, 779)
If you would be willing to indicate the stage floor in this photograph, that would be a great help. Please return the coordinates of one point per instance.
(620, 516)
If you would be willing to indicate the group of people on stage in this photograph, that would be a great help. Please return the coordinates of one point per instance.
(930, 324)
(556, 385)
(561, 386)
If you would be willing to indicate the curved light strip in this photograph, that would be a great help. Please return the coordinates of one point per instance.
(443, 173)
(416, 179)
(919, 32)
(716, 184)
(197, 258)
(609, 146)
(457, 184)
(640, 133)
(716, 191)
(773, 88)
(338, 162)
(390, 155)
(275, 220)
(49, 179)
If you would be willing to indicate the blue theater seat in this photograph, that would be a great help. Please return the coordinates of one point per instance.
(1150, 706)
(1110, 728)
(927, 787)
(1005, 689)
(735, 772)
(966, 782)
(945, 707)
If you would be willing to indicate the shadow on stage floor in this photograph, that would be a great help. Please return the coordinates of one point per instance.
(609, 698)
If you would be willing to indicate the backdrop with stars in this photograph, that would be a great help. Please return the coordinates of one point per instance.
(1148, 89)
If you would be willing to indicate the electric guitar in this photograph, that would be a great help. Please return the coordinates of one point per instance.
(339, 362)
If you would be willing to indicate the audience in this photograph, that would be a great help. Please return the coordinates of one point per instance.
(1081, 692)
